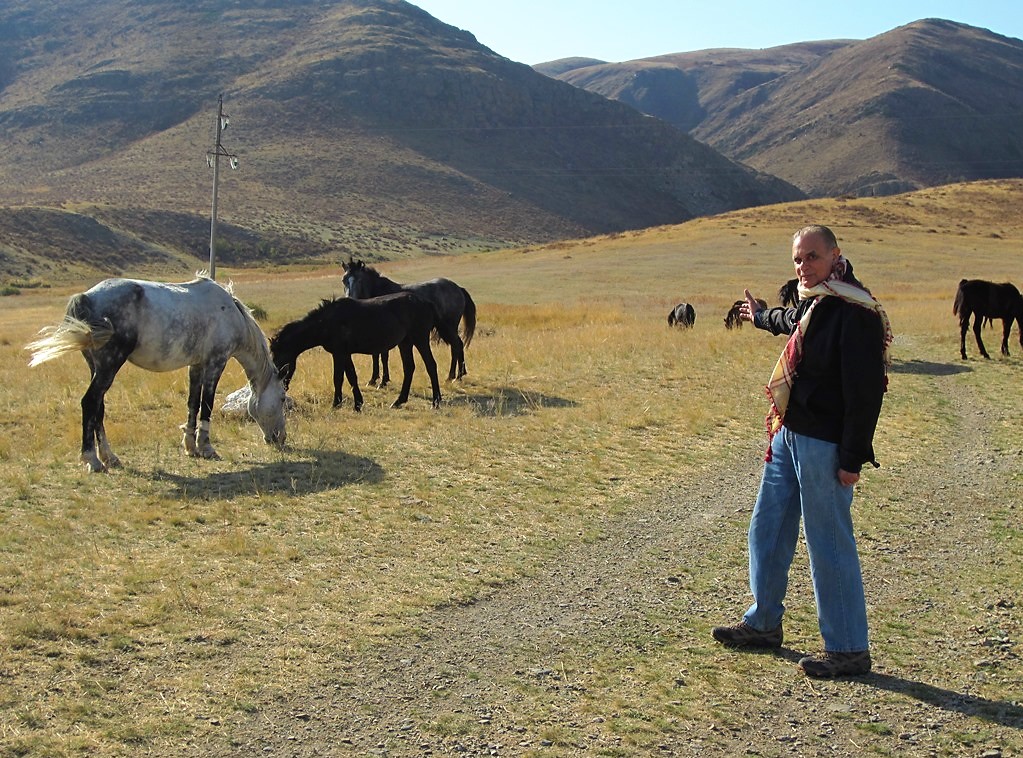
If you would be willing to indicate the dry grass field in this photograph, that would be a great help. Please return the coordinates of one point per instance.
(533, 568)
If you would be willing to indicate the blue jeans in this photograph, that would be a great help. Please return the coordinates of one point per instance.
(802, 480)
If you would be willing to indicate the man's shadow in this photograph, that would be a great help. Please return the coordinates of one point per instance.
(995, 711)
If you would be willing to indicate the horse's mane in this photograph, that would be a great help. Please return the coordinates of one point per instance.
(256, 345)
(292, 327)
(205, 274)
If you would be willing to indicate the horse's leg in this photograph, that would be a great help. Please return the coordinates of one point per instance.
(202, 388)
(189, 430)
(426, 353)
(353, 380)
(964, 325)
(211, 378)
(376, 370)
(408, 366)
(1006, 328)
(457, 370)
(102, 370)
(106, 453)
(977, 321)
(386, 378)
(341, 369)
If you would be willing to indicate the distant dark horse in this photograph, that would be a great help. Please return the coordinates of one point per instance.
(345, 326)
(732, 319)
(452, 302)
(788, 293)
(986, 300)
(683, 315)
(162, 327)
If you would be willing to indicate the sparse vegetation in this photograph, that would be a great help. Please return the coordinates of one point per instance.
(535, 565)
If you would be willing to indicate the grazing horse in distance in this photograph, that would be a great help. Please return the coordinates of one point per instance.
(345, 326)
(453, 304)
(987, 300)
(732, 318)
(683, 315)
(162, 327)
(788, 294)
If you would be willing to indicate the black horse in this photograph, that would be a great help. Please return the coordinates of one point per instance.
(732, 319)
(683, 315)
(452, 302)
(788, 293)
(987, 300)
(345, 326)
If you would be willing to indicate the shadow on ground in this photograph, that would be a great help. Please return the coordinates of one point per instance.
(318, 471)
(996, 711)
(508, 401)
(928, 368)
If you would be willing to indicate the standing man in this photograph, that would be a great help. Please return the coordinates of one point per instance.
(825, 395)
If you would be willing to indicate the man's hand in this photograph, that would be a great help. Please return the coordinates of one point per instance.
(748, 309)
(847, 478)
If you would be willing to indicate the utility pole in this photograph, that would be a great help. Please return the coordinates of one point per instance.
(213, 160)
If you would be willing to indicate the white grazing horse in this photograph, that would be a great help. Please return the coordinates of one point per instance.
(162, 327)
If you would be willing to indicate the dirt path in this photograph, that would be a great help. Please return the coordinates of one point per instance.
(379, 704)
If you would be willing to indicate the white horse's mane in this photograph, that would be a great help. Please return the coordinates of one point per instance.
(204, 273)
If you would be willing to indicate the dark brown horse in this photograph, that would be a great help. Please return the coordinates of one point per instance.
(345, 326)
(987, 300)
(453, 304)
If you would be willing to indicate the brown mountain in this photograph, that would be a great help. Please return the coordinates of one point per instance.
(362, 126)
(928, 103)
(685, 89)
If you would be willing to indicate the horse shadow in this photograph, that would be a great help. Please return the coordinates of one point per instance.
(508, 401)
(319, 471)
(928, 368)
(995, 711)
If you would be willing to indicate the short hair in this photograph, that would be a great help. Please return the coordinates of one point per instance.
(829, 236)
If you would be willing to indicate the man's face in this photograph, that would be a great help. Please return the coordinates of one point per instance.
(812, 259)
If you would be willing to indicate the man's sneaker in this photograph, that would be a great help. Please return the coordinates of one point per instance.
(744, 635)
(827, 665)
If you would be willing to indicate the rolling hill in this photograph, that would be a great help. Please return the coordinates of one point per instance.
(925, 104)
(361, 126)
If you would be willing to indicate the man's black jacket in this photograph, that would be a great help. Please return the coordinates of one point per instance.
(840, 380)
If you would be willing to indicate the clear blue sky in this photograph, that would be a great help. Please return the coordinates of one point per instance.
(536, 31)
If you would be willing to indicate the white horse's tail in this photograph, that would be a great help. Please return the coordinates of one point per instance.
(73, 334)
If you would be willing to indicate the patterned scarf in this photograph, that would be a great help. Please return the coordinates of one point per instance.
(780, 386)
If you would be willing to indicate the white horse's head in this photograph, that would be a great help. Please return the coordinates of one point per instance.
(266, 406)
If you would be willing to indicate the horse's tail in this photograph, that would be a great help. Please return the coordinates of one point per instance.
(443, 329)
(957, 305)
(468, 319)
(78, 332)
